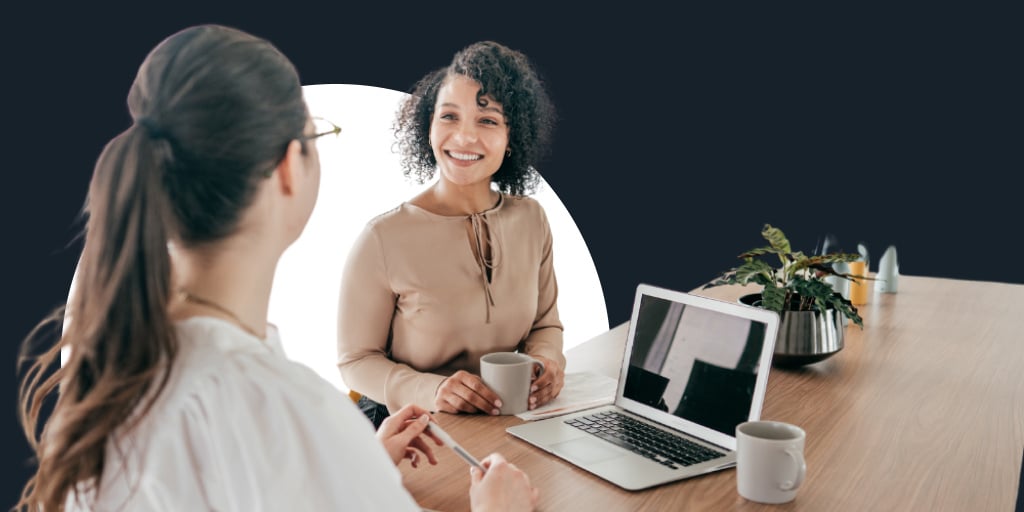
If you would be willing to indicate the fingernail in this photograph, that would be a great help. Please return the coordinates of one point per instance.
(533, 389)
(424, 419)
(497, 403)
(533, 399)
(495, 412)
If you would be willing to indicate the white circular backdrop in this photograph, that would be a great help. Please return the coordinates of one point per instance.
(360, 179)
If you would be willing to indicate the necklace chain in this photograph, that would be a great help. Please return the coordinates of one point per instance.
(190, 297)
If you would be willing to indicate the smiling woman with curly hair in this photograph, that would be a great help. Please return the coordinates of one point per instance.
(506, 77)
(465, 267)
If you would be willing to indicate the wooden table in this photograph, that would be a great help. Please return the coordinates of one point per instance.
(922, 410)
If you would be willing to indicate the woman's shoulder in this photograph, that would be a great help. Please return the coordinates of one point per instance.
(395, 214)
(231, 402)
(219, 362)
(525, 203)
(400, 217)
(524, 207)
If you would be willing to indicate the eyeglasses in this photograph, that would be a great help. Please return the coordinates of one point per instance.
(322, 127)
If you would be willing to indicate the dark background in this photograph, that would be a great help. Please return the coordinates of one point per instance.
(680, 133)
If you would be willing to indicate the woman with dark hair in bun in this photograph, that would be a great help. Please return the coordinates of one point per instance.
(465, 267)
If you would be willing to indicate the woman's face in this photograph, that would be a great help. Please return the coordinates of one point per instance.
(469, 140)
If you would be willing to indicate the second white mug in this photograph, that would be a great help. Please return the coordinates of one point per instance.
(770, 463)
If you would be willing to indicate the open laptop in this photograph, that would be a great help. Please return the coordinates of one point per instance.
(693, 369)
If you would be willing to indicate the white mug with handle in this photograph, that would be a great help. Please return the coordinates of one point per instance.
(510, 374)
(770, 463)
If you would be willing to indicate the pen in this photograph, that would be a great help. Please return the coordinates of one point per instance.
(552, 411)
(447, 439)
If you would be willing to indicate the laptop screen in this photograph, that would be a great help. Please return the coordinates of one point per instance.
(695, 363)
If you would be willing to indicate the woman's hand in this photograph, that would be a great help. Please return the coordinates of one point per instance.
(465, 392)
(546, 387)
(504, 487)
(401, 434)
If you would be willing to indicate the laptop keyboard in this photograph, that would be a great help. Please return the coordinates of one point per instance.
(658, 445)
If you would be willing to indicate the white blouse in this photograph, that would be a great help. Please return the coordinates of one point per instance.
(240, 427)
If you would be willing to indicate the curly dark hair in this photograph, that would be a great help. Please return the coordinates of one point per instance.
(504, 75)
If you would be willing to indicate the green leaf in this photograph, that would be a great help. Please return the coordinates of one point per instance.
(759, 251)
(726, 278)
(800, 262)
(773, 298)
(847, 308)
(834, 257)
(747, 271)
(776, 238)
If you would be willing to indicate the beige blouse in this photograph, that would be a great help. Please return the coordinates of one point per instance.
(417, 305)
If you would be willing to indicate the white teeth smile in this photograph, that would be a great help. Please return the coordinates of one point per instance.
(464, 156)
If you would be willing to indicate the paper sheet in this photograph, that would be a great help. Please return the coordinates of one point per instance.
(582, 390)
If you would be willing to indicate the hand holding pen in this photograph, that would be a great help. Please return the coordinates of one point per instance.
(447, 440)
(402, 435)
(494, 480)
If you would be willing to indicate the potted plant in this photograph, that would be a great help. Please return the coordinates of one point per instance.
(810, 310)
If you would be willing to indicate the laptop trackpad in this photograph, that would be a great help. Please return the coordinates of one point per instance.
(587, 450)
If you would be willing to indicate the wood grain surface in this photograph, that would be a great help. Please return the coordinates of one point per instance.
(923, 409)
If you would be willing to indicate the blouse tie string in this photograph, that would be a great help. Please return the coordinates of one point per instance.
(481, 225)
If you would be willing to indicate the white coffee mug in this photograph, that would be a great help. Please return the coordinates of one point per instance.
(509, 374)
(770, 463)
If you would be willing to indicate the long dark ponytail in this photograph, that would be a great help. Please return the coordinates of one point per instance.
(214, 109)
